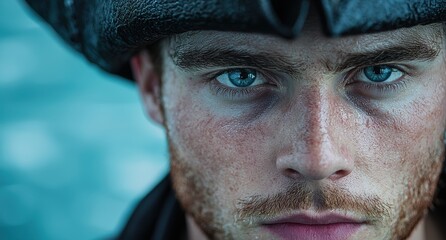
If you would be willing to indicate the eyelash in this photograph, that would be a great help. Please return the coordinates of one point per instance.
(235, 93)
(400, 84)
(231, 92)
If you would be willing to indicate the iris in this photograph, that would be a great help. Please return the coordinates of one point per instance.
(378, 73)
(242, 77)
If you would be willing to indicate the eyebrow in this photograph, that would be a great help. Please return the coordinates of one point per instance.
(197, 59)
(203, 58)
(406, 52)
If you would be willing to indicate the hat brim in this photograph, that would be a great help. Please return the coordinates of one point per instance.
(110, 32)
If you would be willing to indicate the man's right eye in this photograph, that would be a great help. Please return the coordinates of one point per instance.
(240, 78)
(380, 74)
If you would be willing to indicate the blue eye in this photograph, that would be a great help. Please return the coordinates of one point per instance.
(239, 77)
(380, 73)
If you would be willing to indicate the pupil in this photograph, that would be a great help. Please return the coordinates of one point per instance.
(378, 73)
(242, 77)
(378, 70)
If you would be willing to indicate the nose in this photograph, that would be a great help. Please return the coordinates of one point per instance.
(315, 149)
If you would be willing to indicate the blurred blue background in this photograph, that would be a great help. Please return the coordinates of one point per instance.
(76, 150)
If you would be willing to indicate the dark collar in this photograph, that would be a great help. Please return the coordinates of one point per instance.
(157, 217)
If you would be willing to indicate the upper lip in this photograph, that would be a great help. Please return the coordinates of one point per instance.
(316, 219)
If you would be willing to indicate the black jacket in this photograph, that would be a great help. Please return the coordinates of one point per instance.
(157, 217)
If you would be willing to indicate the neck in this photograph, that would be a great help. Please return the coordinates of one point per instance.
(431, 229)
(193, 231)
(419, 233)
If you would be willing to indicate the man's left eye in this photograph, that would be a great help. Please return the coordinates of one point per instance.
(380, 74)
(240, 78)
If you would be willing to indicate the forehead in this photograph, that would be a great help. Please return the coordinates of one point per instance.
(311, 39)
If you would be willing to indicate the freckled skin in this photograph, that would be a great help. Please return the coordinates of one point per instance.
(311, 132)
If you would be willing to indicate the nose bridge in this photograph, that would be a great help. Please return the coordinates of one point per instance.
(314, 140)
(314, 153)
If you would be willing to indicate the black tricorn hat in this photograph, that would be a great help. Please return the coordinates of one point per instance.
(109, 32)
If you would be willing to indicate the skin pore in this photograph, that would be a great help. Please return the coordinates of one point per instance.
(310, 135)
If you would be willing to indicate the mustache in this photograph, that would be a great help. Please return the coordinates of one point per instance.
(303, 197)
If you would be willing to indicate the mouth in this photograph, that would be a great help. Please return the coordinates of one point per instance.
(318, 226)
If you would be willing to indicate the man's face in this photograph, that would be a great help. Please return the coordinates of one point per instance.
(316, 137)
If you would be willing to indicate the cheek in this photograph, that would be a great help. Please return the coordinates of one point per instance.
(224, 148)
(404, 142)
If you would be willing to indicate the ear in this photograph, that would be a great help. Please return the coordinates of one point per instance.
(149, 83)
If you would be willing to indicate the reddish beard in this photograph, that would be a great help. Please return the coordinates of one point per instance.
(302, 197)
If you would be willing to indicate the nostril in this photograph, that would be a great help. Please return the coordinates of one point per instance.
(291, 173)
(339, 174)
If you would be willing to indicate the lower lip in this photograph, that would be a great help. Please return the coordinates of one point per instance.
(335, 231)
